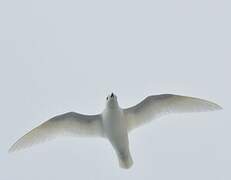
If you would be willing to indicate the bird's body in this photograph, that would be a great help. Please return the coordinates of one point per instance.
(115, 128)
(114, 123)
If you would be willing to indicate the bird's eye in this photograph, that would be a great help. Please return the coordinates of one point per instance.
(107, 98)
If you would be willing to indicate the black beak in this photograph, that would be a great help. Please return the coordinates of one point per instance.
(112, 95)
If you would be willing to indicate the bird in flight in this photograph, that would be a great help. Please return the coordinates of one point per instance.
(114, 123)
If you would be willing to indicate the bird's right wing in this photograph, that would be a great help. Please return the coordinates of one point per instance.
(153, 107)
(71, 123)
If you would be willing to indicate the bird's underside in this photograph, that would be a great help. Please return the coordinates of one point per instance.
(75, 124)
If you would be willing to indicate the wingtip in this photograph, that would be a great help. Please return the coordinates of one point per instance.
(217, 107)
(12, 149)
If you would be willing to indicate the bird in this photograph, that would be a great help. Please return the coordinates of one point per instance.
(114, 123)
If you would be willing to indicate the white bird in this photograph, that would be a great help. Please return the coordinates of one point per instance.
(114, 122)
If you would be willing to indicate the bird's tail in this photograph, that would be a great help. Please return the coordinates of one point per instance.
(125, 161)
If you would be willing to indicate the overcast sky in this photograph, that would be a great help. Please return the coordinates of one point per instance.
(60, 56)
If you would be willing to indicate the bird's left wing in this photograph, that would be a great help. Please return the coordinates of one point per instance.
(71, 123)
(153, 107)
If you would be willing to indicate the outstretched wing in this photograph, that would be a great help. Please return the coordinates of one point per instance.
(71, 123)
(155, 106)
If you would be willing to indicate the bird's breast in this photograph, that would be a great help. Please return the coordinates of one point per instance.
(115, 128)
(114, 123)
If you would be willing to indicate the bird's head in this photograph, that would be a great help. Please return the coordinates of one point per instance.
(111, 100)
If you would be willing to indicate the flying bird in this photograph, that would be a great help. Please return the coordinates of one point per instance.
(114, 123)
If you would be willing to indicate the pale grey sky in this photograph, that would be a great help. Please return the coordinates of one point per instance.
(60, 56)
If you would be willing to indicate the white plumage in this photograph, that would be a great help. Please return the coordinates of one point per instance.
(114, 122)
